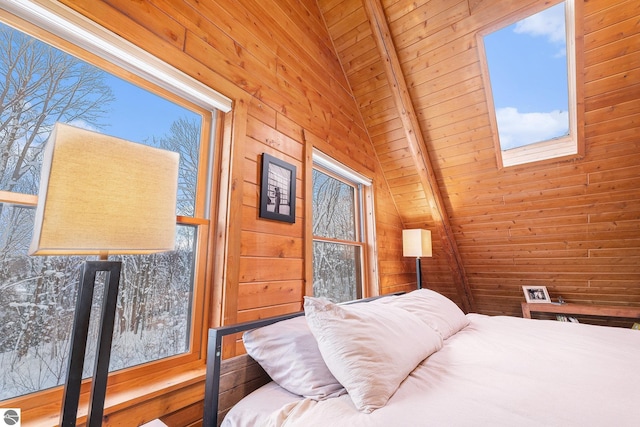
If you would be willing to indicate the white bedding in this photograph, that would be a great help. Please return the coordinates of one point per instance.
(497, 371)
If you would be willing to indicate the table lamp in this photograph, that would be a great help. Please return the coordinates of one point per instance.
(416, 243)
(101, 195)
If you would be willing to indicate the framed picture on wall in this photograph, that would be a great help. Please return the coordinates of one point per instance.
(536, 294)
(277, 190)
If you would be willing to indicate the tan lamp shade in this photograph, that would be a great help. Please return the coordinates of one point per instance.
(416, 243)
(100, 194)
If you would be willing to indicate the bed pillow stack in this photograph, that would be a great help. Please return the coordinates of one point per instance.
(366, 348)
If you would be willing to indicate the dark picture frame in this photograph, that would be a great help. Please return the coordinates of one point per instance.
(277, 190)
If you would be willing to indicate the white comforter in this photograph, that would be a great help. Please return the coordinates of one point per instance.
(497, 371)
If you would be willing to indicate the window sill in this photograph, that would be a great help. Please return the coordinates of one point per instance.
(124, 398)
(558, 149)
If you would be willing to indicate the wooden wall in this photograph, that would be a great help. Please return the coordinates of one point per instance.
(573, 226)
(276, 61)
(305, 71)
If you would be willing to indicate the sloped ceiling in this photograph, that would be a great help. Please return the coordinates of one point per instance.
(395, 69)
(415, 71)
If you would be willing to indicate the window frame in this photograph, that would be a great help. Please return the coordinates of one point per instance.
(364, 221)
(52, 24)
(568, 147)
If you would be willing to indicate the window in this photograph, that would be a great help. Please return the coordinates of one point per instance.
(39, 85)
(338, 230)
(531, 80)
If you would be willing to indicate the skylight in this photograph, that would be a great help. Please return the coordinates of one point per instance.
(530, 68)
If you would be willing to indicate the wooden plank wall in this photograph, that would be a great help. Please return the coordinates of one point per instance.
(290, 66)
(276, 61)
(573, 226)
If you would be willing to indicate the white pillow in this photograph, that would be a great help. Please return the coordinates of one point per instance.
(433, 308)
(369, 348)
(288, 352)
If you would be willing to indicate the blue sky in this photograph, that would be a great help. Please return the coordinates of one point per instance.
(527, 66)
(138, 114)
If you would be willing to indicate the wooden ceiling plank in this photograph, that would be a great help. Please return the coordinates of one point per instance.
(417, 146)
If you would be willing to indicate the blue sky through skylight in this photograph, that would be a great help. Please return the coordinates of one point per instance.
(528, 71)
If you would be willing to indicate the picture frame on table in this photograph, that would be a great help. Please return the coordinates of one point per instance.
(536, 294)
(277, 190)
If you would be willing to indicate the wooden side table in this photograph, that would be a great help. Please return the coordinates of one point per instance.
(584, 309)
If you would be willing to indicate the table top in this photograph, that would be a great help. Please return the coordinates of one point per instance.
(586, 309)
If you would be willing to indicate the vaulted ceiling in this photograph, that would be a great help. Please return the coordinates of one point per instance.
(403, 62)
(415, 71)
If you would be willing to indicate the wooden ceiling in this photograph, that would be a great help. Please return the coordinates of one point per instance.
(415, 72)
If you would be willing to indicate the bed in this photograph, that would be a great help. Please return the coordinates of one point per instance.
(417, 360)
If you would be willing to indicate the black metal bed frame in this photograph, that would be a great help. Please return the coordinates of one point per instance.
(214, 359)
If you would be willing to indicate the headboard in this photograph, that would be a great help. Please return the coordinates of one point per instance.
(228, 381)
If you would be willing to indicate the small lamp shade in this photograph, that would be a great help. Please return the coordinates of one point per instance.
(100, 194)
(416, 243)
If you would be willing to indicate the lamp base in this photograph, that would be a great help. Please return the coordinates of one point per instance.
(78, 345)
(418, 273)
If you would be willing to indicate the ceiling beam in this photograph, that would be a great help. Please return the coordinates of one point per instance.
(417, 145)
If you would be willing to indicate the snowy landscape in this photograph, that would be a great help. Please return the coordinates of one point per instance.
(40, 85)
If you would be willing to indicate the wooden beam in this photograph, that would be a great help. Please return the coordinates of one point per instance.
(417, 145)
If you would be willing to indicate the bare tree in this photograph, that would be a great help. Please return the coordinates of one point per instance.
(40, 85)
(333, 203)
(334, 264)
(184, 138)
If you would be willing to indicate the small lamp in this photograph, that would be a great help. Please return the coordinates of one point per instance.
(416, 243)
(101, 195)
